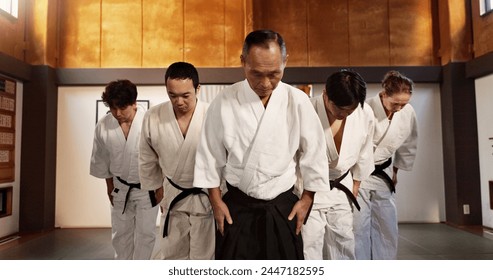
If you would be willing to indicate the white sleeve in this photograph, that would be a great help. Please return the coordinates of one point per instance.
(313, 158)
(151, 177)
(100, 157)
(211, 155)
(406, 153)
(365, 164)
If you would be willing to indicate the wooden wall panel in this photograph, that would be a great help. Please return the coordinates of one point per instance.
(328, 33)
(455, 31)
(163, 34)
(482, 30)
(444, 51)
(204, 32)
(36, 31)
(411, 32)
(52, 34)
(41, 32)
(121, 33)
(8, 28)
(236, 29)
(79, 34)
(461, 30)
(146, 33)
(12, 33)
(368, 33)
(289, 18)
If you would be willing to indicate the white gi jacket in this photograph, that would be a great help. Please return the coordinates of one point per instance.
(356, 151)
(164, 152)
(253, 147)
(398, 138)
(112, 154)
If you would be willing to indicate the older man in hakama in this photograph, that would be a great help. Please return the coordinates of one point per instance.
(348, 127)
(169, 140)
(251, 135)
(115, 157)
(395, 136)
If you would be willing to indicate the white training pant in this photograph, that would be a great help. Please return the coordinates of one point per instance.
(133, 232)
(375, 226)
(328, 234)
(190, 237)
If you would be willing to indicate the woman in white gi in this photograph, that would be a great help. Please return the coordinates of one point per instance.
(115, 157)
(348, 127)
(251, 135)
(170, 134)
(395, 135)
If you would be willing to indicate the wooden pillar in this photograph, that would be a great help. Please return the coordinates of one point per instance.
(459, 122)
(38, 158)
(460, 146)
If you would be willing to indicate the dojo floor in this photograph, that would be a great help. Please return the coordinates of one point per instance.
(416, 242)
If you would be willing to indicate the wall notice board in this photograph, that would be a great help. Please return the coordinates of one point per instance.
(7, 129)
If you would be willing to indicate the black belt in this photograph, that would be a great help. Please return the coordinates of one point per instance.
(184, 193)
(337, 184)
(135, 186)
(379, 171)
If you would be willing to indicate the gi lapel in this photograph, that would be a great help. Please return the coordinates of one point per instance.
(381, 120)
(130, 145)
(329, 138)
(266, 128)
(186, 154)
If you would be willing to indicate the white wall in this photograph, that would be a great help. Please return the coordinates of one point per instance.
(81, 200)
(421, 192)
(10, 224)
(484, 111)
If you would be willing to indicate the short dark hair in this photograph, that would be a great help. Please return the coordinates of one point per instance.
(394, 82)
(262, 38)
(182, 71)
(119, 94)
(345, 88)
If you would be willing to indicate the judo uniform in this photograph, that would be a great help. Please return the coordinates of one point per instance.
(253, 149)
(375, 226)
(167, 159)
(133, 215)
(328, 233)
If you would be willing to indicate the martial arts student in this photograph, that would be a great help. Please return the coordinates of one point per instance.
(170, 134)
(348, 127)
(115, 157)
(396, 132)
(251, 134)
